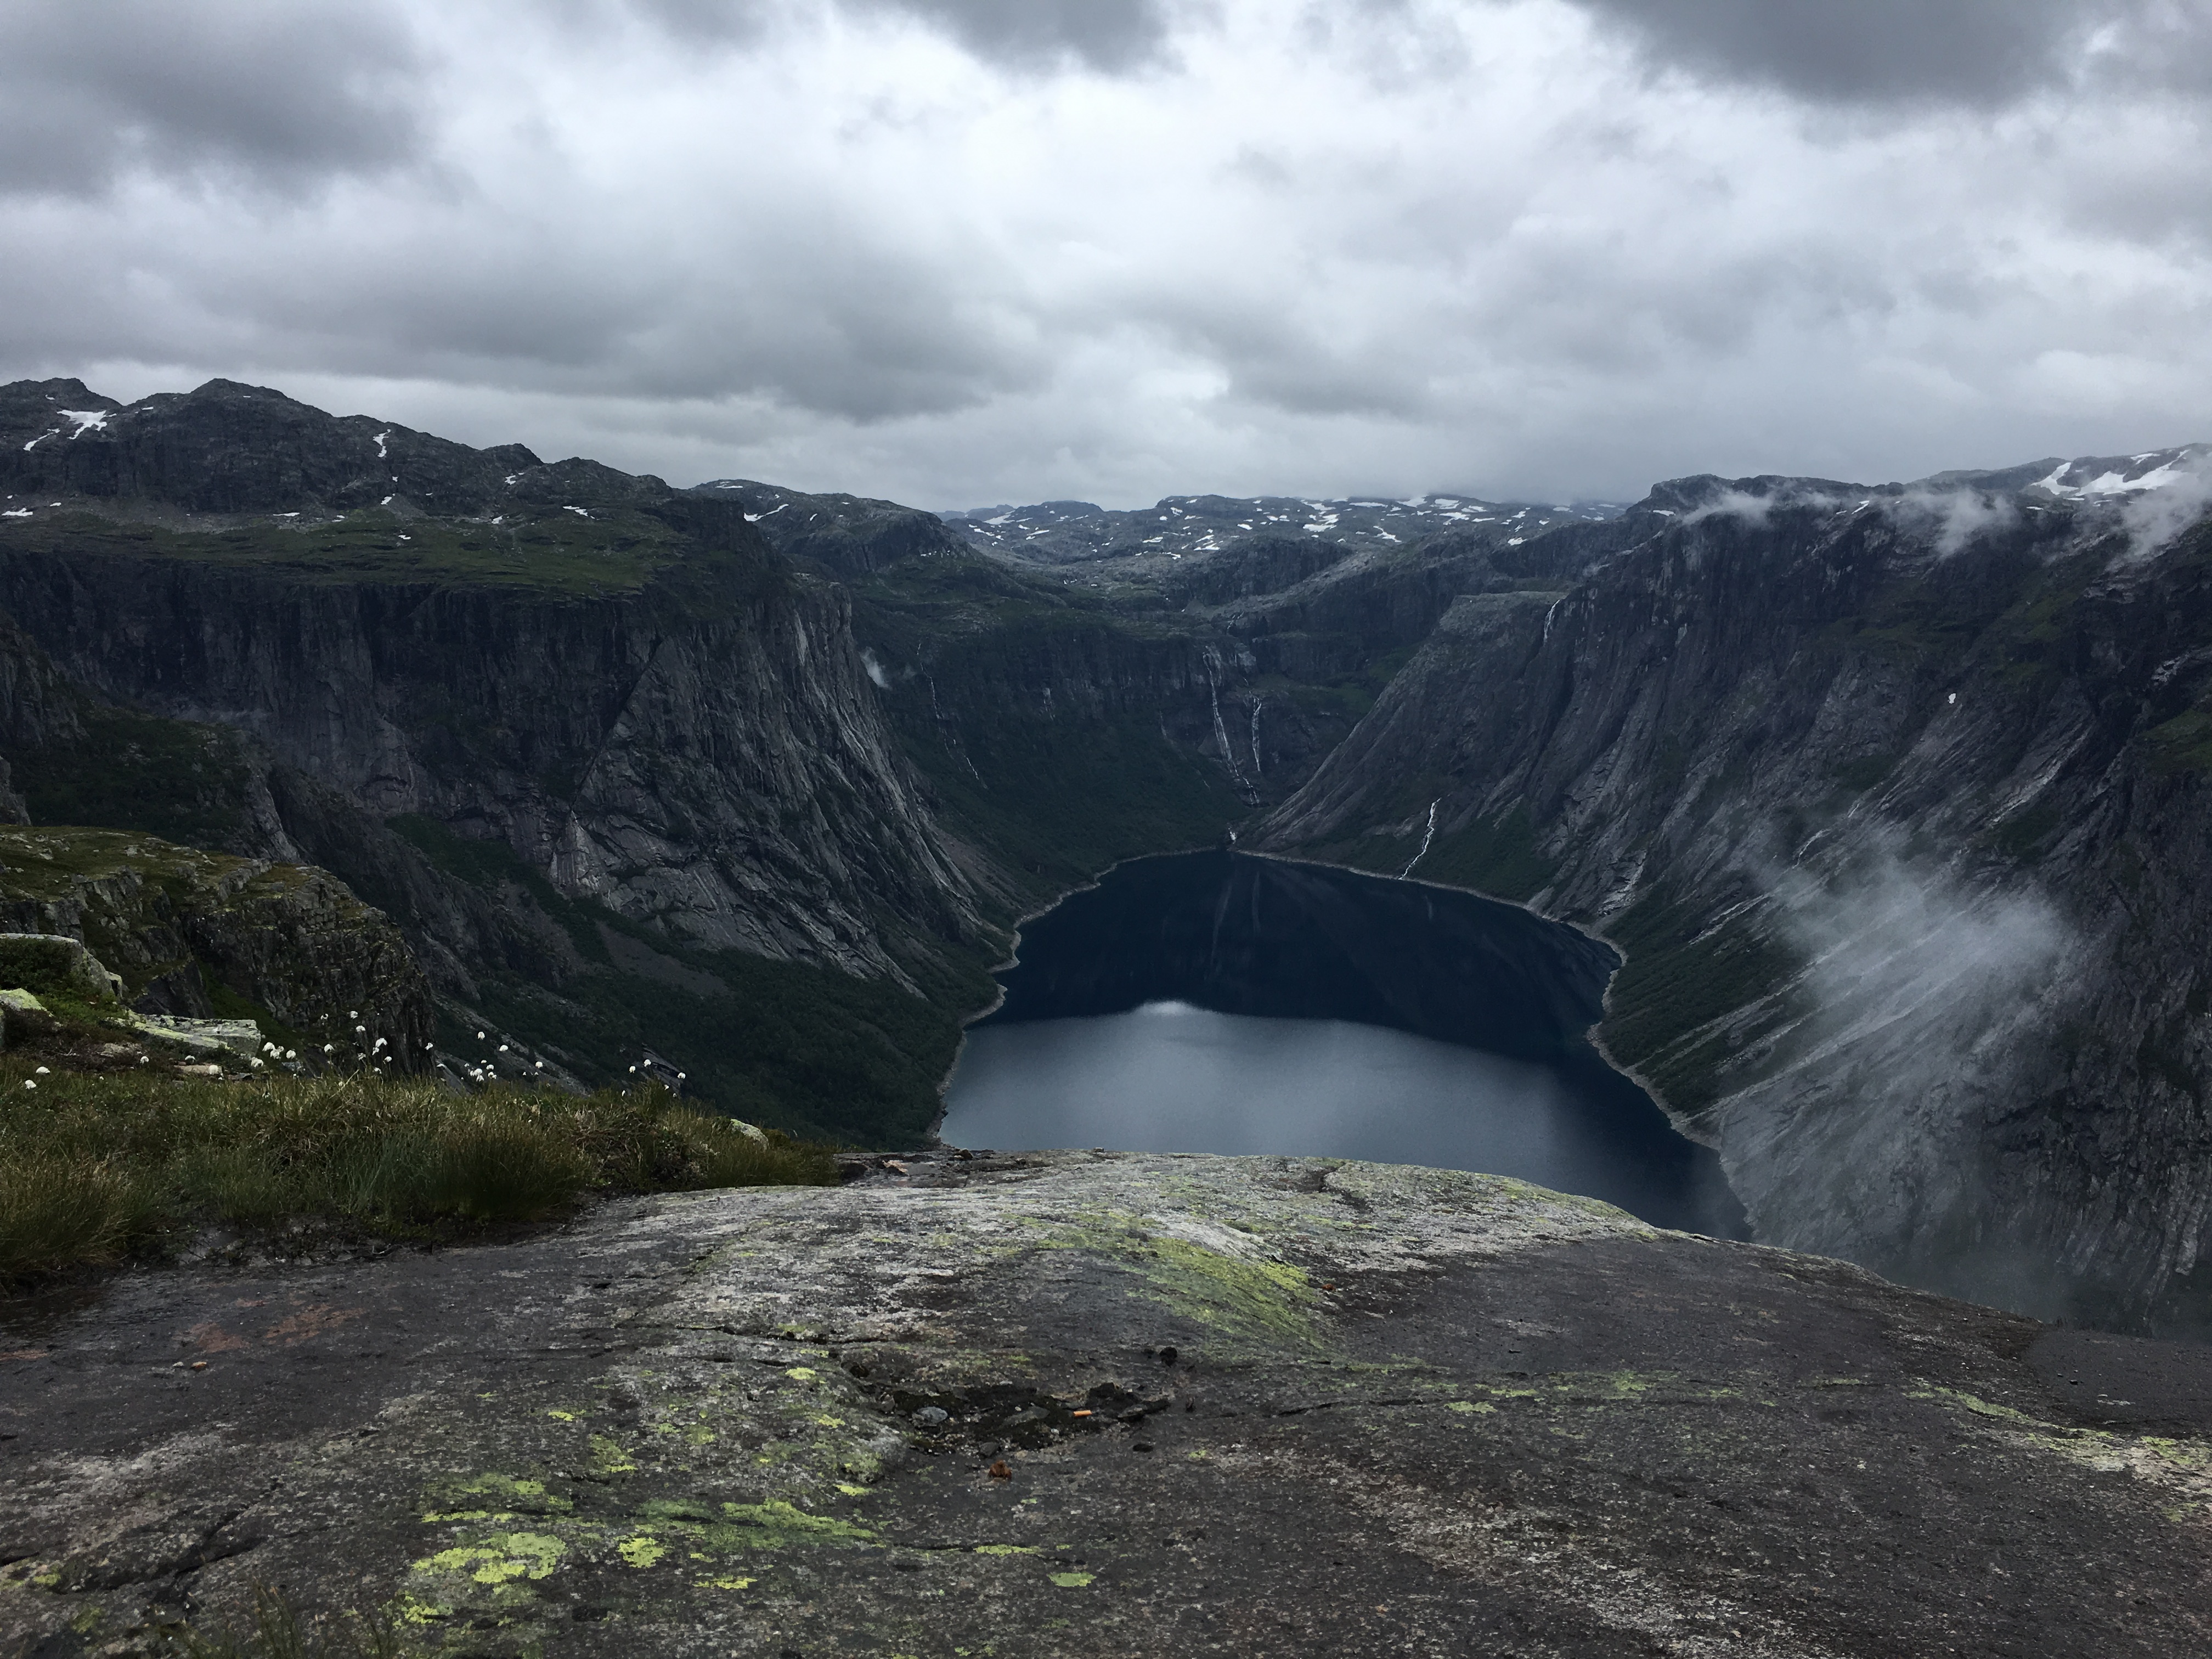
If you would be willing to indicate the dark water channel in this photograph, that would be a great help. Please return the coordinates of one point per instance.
(1216, 1002)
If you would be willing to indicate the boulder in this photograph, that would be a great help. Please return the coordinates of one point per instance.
(56, 965)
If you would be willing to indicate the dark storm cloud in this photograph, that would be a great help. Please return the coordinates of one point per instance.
(1102, 34)
(1984, 53)
(281, 93)
(961, 251)
(1109, 34)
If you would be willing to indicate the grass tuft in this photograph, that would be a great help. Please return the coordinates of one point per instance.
(99, 1166)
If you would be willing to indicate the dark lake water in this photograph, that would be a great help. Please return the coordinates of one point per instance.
(1217, 1002)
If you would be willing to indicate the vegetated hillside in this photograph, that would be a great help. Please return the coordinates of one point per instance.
(197, 934)
(1897, 801)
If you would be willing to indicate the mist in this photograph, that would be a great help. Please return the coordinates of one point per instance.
(1921, 1007)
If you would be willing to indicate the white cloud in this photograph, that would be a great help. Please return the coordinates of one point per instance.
(2154, 517)
(1954, 517)
(963, 253)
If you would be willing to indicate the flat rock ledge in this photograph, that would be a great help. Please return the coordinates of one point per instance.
(1100, 1404)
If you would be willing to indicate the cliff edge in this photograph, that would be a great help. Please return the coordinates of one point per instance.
(1071, 1403)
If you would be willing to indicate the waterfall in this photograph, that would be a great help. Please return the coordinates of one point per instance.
(1426, 839)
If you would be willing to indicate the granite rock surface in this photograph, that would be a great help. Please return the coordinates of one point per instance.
(1088, 1404)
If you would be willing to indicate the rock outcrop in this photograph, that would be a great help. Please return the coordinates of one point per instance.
(1073, 1405)
(196, 933)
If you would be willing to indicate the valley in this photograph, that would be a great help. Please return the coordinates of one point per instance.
(1890, 796)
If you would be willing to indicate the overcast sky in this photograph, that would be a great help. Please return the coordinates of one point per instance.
(961, 251)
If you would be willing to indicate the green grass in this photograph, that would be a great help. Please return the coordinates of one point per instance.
(172, 779)
(96, 1167)
(819, 1052)
(1679, 977)
(614, 550)
(1496, 855)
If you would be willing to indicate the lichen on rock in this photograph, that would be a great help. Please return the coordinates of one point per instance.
(1068, 1404)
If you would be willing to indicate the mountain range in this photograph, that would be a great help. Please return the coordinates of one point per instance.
(1894, 796)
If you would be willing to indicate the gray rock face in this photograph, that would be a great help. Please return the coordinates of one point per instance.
(1895, 798)
(836, 535)
(706, 756)
(1062, 1404)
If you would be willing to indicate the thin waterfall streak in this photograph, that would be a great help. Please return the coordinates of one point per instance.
(1221, 727)
(1426, 839)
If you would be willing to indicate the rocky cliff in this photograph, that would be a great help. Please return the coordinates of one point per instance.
(605, 754)
(1068, 1405)
(1896, 799)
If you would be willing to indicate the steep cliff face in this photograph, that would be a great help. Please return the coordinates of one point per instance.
(1896, 799)
(694, 743)
(618, 770)
(710, 762)
(1071, 713)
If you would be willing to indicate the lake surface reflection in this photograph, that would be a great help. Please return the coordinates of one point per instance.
(1222, 1003)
